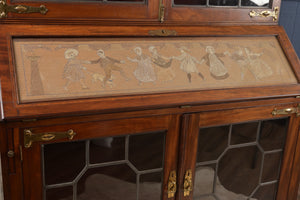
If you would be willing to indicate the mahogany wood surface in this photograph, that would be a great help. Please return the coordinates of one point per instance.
(12, 108)
(135, 13)
(181, 142)
(294, 182)
(180, 114)
(32, 159)
(219, 15)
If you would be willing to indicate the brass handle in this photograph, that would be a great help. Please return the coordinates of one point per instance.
(266, 13)
(30, 137)
(285, 111)
(187, 185)
(4, 9)
(172, 187)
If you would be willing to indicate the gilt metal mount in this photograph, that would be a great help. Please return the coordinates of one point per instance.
(22, 9)
(162, 32)
(30, 137)
(287, 111)
(266, 13)
(188, 184)
(172, 184)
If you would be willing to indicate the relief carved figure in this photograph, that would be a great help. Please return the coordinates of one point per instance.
(188, 63)
(74, 71)
(216, 65)
(165, 72)
(144, 72)
(248, 60)
(109, 65)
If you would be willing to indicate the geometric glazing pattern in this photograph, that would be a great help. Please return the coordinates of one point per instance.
(112, 168)
(240, 161)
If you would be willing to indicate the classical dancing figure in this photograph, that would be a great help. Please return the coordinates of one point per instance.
(164, 70)
(188, 63)
(73, 70)
(144, 71)
(109, 65)
(216, 65)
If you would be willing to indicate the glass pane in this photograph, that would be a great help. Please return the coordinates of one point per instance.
(245, 162)
(261, 3)
(190, 2)
(108, 183)
(144, 154)
(244, 133)
(111, 168)
(271, 167)
(60, 163)
(267, 192)
(150, 186)
(107, 149)
(205, 176)
(272, 135)
(208, 138)
(64, 193)
(224, 2)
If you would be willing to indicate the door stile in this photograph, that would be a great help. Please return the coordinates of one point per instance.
(292, 163)
(11, 163)
(32, 170)
(171, 155)
(187, 158)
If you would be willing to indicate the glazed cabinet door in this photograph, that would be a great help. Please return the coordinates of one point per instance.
(222, 11)
(62, 11)
(128, 159)
(244, 154)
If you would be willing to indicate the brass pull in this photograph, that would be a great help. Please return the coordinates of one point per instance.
(172, 187)
(4, 9)
(30, 137)
(187, 185)
(285, 111)
(266, 13)
(162, 32)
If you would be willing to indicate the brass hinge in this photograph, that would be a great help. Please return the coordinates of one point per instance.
(22, 9)
(172, 187)
(287, 111)
(161, 15)
(30, 137)
(266, 13)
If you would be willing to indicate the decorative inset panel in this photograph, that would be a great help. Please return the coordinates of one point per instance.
(53, 69)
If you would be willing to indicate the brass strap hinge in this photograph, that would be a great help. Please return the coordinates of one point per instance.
(30, 137)
(287, 111)
(22, 9)
(161, 15)
(172, 187)
(266, 13)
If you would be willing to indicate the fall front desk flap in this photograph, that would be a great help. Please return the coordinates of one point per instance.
(55, 69)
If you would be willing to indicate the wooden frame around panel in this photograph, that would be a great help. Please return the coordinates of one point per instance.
(289, 177)
(12, 109)
(32, 174)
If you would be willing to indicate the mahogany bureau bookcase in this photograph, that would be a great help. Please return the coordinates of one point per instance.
(148, 100)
